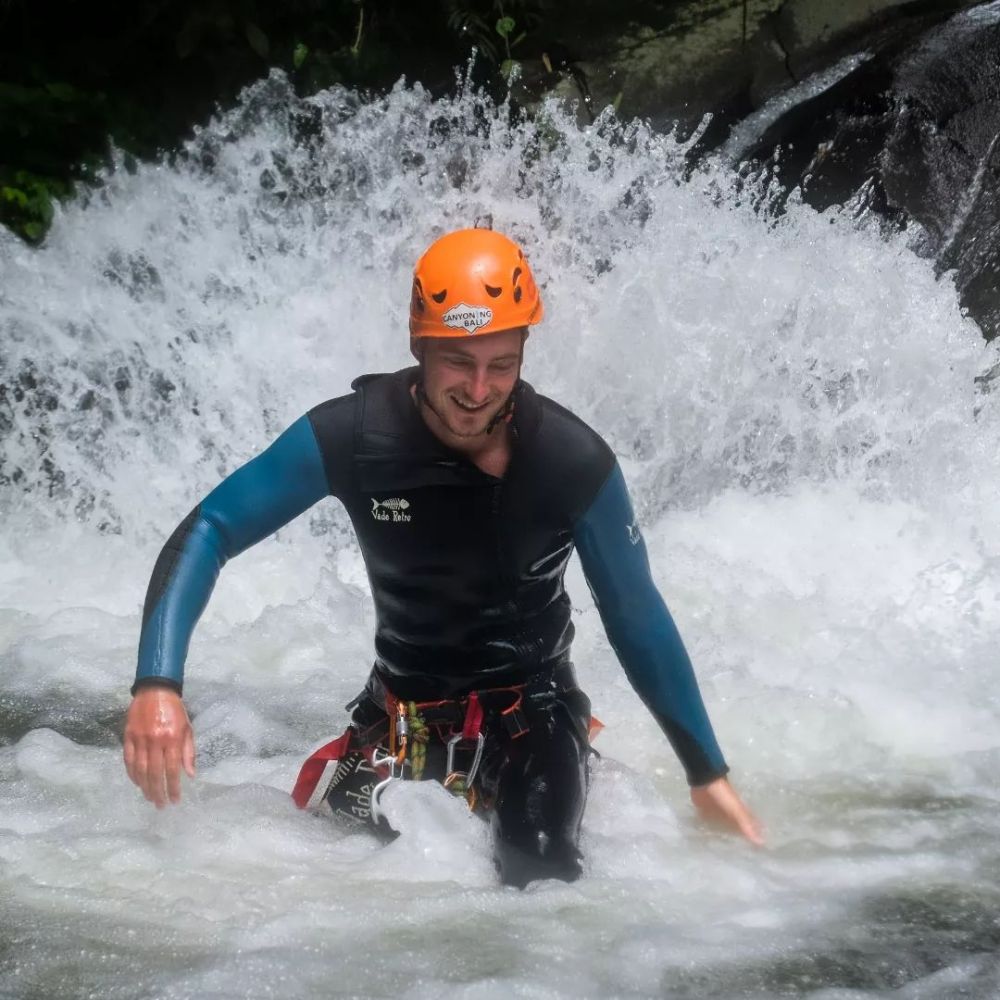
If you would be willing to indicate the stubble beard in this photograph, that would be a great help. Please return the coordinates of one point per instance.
(465, 433)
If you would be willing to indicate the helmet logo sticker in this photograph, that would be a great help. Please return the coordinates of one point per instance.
(394, 509)
(468, 318)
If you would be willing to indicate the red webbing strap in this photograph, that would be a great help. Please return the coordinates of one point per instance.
(473, 718)
(313, 768)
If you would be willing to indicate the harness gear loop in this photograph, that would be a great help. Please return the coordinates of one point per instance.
(514, 720)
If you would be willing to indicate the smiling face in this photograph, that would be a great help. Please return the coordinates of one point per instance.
(468, 382)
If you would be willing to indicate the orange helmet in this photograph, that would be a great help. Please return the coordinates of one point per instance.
(470, 283)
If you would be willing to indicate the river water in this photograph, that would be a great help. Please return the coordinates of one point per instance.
(793, 401)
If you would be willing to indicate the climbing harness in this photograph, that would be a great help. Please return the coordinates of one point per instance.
(397, 748)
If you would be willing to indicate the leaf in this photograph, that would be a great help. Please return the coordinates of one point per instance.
(258, 40)
(19, 198)
(299, 55)
(510, 68)
(505, 26)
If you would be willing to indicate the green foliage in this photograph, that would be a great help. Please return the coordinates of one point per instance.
(26, 202)
(77, 76)
(481, 22)
(504, 28)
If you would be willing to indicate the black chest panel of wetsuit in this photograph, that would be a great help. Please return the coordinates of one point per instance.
(466, 569)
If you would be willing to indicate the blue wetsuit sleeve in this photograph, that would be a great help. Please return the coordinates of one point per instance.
(249, 505)
(641, 630)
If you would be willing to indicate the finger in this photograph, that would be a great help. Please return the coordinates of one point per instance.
(187, 753)
(154, 783)
(744, 821)
(140, 768)
(752, 830)
(172, 765)
(128, 752)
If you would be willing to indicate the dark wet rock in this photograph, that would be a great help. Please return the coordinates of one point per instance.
(892, 107)
(676, 62)
(87, 724)
(915, 129)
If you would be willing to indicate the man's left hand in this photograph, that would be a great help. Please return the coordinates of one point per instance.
(718, 803)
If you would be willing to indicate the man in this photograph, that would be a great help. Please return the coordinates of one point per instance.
(468, 493)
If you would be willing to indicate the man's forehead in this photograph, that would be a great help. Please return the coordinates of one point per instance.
(495, 354)
(480, 348)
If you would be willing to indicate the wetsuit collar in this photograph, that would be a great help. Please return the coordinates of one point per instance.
(391, 427)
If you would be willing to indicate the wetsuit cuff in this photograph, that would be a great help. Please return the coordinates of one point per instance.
(149, 682)
(702, 778)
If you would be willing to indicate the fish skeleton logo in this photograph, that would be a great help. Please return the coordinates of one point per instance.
(468, 318)
(634, 534)
(394, 509)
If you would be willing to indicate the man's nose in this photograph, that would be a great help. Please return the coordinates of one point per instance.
(478, 386)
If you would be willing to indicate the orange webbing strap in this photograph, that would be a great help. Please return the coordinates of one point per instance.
(308, 783)
(594, 728)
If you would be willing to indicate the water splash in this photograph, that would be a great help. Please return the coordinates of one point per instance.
(187, 310)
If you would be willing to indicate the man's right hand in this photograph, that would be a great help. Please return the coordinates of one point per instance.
(158, 742)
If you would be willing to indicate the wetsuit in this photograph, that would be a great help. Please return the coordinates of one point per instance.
(466, 572)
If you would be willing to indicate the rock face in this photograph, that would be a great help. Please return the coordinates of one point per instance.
(913, 133)
(675, 62)
(893, 105)
(941, 158)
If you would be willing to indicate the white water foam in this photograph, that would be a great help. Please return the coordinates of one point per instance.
(792, 400)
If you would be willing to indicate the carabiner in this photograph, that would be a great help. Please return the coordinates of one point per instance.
(390, 762)
(477, 756)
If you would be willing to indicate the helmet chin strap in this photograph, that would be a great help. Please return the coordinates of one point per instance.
(504, 414)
